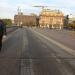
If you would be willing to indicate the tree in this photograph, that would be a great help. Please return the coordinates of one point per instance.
(66, 21)
(72, 25)
(7, 22)
(33, 14)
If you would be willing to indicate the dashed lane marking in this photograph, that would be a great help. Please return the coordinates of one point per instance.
(26, 67)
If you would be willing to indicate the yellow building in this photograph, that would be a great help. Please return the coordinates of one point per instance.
(51, 19)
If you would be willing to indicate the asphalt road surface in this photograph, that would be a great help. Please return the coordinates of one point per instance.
(28, 51)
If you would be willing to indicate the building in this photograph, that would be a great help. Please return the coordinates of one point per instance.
(51, 19)
(25, 20)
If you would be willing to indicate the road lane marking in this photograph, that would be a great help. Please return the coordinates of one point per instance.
(26, 67)
(67, 49)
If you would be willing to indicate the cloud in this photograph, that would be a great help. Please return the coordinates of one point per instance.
(62, 3)
(9, 7)
(6, 10)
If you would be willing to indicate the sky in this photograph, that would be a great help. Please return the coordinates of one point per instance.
(8, 8)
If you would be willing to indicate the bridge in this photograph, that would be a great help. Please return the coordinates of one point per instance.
(37, 51)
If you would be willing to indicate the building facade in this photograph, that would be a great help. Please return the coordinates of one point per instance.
(24, 20)
(51, 19)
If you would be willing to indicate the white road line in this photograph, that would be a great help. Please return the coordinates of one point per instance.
(69, 50)
(26, 67)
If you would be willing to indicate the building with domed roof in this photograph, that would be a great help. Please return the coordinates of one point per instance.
(51, 19)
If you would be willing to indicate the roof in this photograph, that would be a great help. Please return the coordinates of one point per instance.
(49, 12)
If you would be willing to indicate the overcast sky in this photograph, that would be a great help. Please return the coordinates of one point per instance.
(8, 8)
